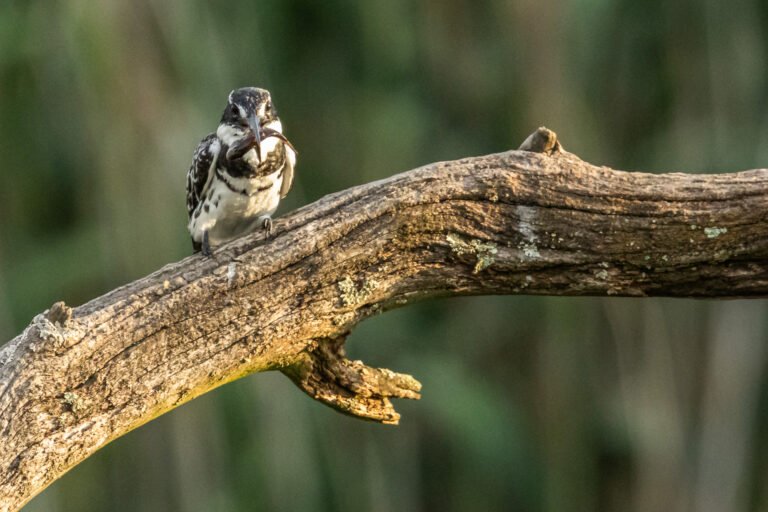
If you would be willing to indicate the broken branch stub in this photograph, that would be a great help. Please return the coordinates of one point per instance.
(538, 221)
(325, 374)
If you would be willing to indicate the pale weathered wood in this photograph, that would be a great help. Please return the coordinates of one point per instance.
(512, 223)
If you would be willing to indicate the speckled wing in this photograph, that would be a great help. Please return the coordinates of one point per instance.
(201, 171)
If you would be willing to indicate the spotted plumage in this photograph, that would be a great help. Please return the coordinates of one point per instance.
(240, 172)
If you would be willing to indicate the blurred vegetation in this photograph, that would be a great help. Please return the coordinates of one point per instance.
(531, 404)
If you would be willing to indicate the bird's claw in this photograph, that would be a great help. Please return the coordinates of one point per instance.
(266, 224)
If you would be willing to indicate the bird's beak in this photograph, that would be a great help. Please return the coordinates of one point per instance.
(255, 125)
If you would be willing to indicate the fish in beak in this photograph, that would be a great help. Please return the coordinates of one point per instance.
(251, 140)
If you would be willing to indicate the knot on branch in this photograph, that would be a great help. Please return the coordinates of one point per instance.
(54, 329)
(59, 313)
(542, 140)
(325, 374)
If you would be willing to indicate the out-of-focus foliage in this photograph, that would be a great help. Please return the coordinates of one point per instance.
(530, 404)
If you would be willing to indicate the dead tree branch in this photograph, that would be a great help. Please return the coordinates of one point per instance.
(520, 222)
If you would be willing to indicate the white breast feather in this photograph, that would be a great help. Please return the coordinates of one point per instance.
(231, 214)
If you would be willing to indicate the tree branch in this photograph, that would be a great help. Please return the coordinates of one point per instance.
(520, 222)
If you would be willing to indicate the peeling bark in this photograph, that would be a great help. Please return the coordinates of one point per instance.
(539, 221)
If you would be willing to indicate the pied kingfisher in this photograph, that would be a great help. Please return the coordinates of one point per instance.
(240, 172)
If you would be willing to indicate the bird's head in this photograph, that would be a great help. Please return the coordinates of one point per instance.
(250, 121)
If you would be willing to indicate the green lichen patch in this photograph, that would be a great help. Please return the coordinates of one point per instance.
(530, 250)
(714, 232)
(485, 252)
(74, 402)
(343, 318)
(352, 295)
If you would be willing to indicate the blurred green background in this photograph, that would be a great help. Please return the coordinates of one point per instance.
(530, 404)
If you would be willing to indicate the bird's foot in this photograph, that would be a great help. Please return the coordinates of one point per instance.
(266, 224)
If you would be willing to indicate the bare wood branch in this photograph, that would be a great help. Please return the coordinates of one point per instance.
(519, 222)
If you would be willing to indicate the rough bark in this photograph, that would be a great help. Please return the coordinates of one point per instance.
(519, 222)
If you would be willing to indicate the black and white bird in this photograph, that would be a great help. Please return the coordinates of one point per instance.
(240, 172)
